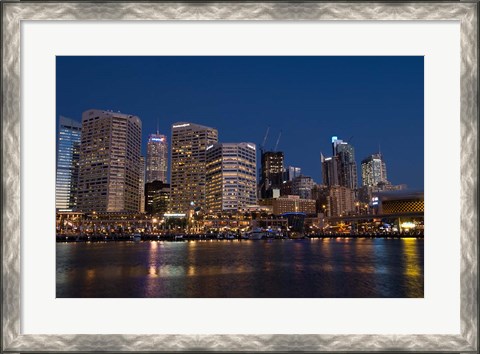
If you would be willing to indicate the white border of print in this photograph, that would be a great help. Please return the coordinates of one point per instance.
(14, 12)
(438, 41)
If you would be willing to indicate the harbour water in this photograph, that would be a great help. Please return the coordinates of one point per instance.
(309, 268)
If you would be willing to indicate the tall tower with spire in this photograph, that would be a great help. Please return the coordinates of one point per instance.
(157, 157)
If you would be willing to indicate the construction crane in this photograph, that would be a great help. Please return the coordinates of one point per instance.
(264, 139)
(278, 140)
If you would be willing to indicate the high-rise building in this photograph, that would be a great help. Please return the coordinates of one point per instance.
(157, 158)
(329, 170)
(68, 153)
(291, 172)
(142, 185)
(271, 173)
(341, 168)
(302, 186)
(231, 181)
(347, 171)
(157, 197)
(374, 170)
(188, 165)
(110, 165)
(341, 201)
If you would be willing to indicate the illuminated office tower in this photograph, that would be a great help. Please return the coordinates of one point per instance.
(157, 158)
(231, 181)
(142, 185)
(271, 173)
(110, 164)
(374, 170)
(68, 153)
(188, 165)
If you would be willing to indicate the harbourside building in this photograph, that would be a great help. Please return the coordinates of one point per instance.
(231, 182)
(157, 158)
(68, 155)
(189, 143)
(293, 204)
(109, 167)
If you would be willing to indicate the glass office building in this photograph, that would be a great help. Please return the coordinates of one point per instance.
(68, 152)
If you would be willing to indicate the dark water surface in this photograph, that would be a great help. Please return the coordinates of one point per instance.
(271, 268)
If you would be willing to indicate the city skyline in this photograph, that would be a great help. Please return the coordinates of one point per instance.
(408, 170)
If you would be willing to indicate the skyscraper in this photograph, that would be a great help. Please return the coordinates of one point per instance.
(142, 185)
(109, 172)
(157, 158)
(68, 153)
(188, 165)
(271, 173)
(374, 170)
(341, 168)
(347, 171)
(329, 170)
(231, 181)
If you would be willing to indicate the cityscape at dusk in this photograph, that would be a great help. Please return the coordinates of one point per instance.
(315, 162)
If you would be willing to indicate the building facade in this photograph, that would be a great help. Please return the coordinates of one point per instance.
(293, 204)
(291, 172)
(157, 158)
(347, 170)
(141, 188)
(157, 197)
(188, 165)
(341, 168)
(271, 173)
(302, 186)
(329, 170)
(109, 172)
(374, 170)
(68, 155)
(341, 201)
(231, 181)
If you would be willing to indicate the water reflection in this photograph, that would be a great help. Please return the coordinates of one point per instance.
(279, 268)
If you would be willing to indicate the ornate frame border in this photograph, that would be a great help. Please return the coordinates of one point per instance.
(13, 12)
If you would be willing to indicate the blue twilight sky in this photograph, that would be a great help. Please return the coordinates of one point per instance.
(374, 101)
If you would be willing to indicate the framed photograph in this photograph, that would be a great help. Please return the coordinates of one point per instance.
(239, 176)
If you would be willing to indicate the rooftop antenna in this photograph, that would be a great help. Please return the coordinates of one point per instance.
(158, 132)
(278, 140)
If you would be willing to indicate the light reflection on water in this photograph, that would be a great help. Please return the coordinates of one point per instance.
(278, 268)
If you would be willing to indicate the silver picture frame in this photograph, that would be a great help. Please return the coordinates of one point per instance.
(13, 12)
